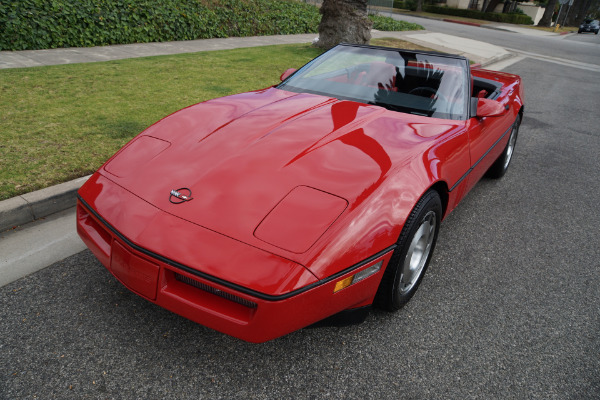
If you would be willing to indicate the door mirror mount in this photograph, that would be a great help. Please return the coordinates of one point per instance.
(287, 74)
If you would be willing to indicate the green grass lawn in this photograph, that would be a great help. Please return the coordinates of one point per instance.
(62, 122)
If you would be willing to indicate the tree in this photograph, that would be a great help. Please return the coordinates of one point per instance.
(419, 6)
(344, 21)
(547, 17)
(594, 11)
(578, 11)
(491, 5)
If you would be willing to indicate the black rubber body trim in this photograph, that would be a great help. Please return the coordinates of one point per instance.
(349, 317)
(222, 282)
(478, 161)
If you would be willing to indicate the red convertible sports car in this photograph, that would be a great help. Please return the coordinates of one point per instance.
(261, 213)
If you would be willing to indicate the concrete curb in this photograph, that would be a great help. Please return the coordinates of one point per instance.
(454, 21)
(496, 59)
(26, 208)
(496, 28)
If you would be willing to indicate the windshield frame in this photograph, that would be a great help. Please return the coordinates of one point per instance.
(329, 84)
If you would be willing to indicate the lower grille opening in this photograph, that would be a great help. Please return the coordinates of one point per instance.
(215, 291)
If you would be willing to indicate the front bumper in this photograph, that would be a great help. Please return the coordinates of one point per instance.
(238, 310)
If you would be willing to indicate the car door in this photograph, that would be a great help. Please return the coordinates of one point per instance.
(486, 142)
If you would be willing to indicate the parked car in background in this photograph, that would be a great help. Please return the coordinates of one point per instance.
(589, 25)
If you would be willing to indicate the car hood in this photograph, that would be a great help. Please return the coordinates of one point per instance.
(270, 168)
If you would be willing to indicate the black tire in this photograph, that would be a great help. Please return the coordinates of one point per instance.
(579, 31)
(500, 166)
(412, 255)
(596, 32)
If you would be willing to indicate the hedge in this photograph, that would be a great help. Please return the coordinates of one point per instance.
(46, 24)
(43, 24)
(382, 23)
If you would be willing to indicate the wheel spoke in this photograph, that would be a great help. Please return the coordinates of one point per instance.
(417, 253)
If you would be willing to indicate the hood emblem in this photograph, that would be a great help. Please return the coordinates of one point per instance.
(180, 195)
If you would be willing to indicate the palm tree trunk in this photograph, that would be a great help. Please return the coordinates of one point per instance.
(343, 21)
(547, 17)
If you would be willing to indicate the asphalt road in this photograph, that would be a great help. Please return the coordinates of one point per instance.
(509, 309)
(585, 37)
(581, 48)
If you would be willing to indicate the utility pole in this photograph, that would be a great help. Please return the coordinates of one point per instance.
(567, 14)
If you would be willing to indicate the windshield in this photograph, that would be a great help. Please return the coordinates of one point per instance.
(411, 82)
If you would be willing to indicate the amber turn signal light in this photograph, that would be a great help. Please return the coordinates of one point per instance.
(359, 276)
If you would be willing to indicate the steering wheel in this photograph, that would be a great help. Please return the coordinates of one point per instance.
(428, 92)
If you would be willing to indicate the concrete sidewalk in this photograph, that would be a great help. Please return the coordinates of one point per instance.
(477, 51)
(75, 55)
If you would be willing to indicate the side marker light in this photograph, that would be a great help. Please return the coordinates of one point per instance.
(344, 283)
(365, 273)
(359, 276)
